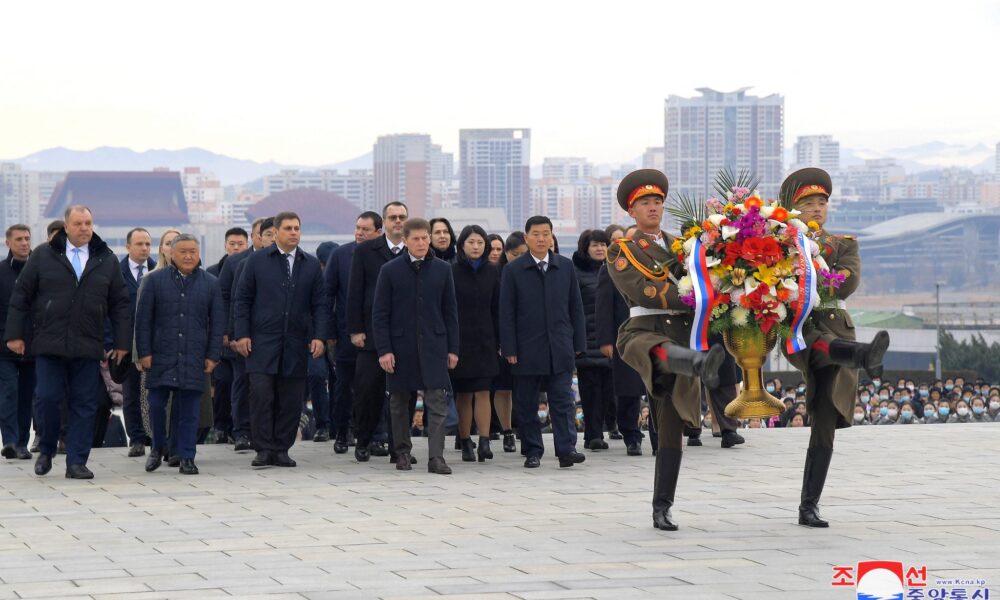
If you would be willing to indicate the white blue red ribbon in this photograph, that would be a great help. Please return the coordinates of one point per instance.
(808, 294)
(704, 296)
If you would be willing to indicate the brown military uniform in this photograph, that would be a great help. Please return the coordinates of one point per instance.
(639, 271)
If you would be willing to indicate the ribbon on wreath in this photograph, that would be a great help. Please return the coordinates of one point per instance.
(808, 294)
(704, 295)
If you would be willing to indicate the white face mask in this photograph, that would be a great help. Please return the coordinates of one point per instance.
(858, 417)
(892, 413)
(994, 405)
(963, 411)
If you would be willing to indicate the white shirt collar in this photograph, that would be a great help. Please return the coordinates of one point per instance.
(84, 249)
(134, 265)
(538, 260)
(415, 259)
(392, 246)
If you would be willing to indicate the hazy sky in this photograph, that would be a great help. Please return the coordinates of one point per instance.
(315, 83)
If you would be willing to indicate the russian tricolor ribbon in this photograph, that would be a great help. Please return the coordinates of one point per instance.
(704, 296)
(808, 294)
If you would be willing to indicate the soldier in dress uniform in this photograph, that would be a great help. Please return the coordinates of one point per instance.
(831, 361)
(653, 340)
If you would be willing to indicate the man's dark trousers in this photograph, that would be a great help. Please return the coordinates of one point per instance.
(343, 397)
(240, 399)
(132, 409)
(77, 378)
(274, 396)
(562, 412)
(17, 391)
(222, 406)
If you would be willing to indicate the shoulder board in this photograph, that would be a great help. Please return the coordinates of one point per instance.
(847, 237)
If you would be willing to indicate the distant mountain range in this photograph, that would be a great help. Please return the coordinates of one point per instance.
(229, 170)
(236, 171)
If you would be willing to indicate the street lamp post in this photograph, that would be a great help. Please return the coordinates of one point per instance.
(937, 321)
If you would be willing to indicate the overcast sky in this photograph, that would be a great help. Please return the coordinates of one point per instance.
(315, 83)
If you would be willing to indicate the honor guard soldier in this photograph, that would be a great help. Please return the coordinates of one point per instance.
(830, 362)
(653, 339)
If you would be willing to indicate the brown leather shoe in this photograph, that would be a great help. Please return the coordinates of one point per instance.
(403, 462)
(437, 465)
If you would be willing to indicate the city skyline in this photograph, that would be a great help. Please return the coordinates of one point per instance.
(205, 82)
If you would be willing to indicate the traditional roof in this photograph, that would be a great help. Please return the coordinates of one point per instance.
(320, 211)
(122, 198)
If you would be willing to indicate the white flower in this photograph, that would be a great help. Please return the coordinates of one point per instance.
(766, 211)
(793, 288)
(794, 213)
(735, 295)
(813, 247)
(713, 262)
(716, 219)
(822, 263)
(755, 194)
(742, 208)
(729, 232)
(782, 311)
(689, 245)
(684, 286)
(740, 315)
(799, 225)
(729, 195)
(715, 281)
(775, 225)
(750, 284)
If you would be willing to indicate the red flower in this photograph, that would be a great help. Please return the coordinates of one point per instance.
(732, 251)
(758, 251)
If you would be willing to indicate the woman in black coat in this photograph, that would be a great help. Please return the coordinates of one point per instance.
(593, 369)
(443, 240)
(503, 383)
(477, 290)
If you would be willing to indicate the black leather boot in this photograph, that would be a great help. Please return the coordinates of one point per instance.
(684, 361)
(468, 451)
(813, 478)
(483, 451)
(508, 441)
(668, 467)
(857, 355)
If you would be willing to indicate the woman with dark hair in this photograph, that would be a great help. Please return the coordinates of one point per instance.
(503, 383)
(494, 242)
(615, 232)
(593, 368)
(477, 290)
(443, 239)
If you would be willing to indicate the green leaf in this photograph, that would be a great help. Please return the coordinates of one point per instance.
(687, 210)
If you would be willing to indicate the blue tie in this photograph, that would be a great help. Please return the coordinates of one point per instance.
(77, 265)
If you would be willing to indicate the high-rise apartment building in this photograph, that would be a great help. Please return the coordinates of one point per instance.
(495, 172)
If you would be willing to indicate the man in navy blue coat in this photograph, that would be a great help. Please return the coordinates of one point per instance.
(261, 236)
(281, 318)
(178, 336)
(337, 279)
(542, 329)
(135, 266)
(415, 322)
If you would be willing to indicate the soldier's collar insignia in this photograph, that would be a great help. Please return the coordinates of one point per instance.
(643, 243)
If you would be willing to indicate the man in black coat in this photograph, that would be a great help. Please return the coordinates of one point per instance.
(369, 378)
(68, 287)
(262, 236)
(237, 240)
(542, 330)
(136, 265)
(281, 318)
(415, 323)
(17, 373)
(337, 279)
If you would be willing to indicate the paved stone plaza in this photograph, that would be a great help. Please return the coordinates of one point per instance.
(333, 528)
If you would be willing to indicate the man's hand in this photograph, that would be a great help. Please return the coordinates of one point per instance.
(145, 363)
(387, 362)
(512, 360)
(225, 341)
(358, 339)
(210, 365)
(608, 350)
(331, 343)
(244, 347)
(16, 346)
(120, 355)
(452, 360)
(316, 347)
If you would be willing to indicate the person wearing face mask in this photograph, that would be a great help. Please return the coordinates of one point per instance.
(907, 415)
(888, 414)
(979, 414)
(913, 400)
(941, 415)
(962, 413)
(864, 397)
(859, 415)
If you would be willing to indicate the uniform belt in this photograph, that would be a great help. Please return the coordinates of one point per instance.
(832, 305)
(642, 311)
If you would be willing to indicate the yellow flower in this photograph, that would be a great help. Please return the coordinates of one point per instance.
(738, 276)
(813, 226)
(784, 267)
(766, 274)
(677, 246)
(718, 271)
(693, 231)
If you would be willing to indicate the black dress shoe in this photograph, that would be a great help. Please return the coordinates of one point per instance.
(731, 438)
(61, 447)
(262, 459)
(508, 442)
(604, 445)
(43, 464)
(662, 519)
(188, 467)
(633, 450)
(810, 518)
(468, 451)
(322, 435)
(378, 449)
(394, 458)
(693, 441)
(8, 451)
(483, 451)
(78, 472)
(281, 459)
(22, 453)
(532, 462)
(174, 461)
(615, 434)
(136, 449)
(572, 459)
(242, 444)
(36, 447)
(154, 460)
(438, 466)
(403, 462)
(361, 453)
(340, 444)
(593, 445)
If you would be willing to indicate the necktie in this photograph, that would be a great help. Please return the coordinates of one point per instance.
(288, 268)
(395, 250)
(138, 275)
(77, 265)
(417, 263)
(543, 266)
